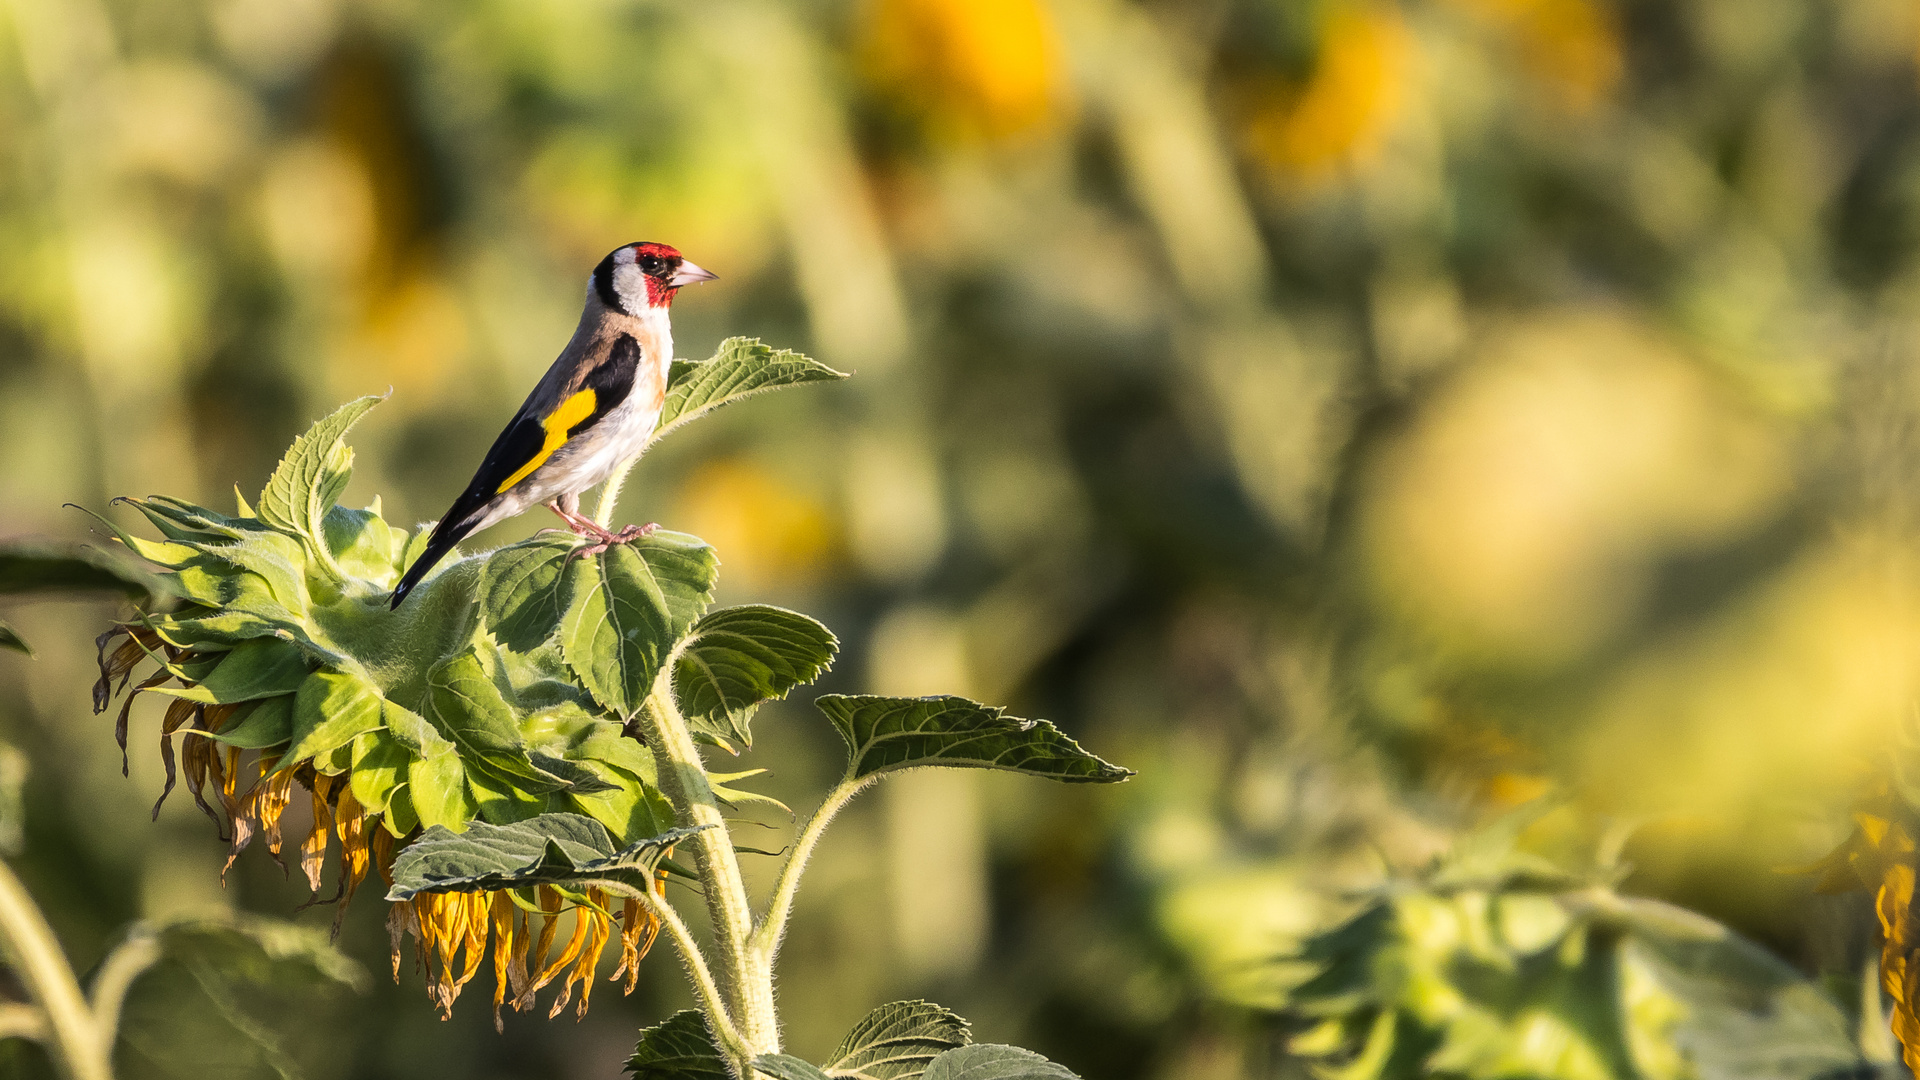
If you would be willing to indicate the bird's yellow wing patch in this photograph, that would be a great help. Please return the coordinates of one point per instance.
(558, 424)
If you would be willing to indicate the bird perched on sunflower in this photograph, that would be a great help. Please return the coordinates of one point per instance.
(595, 408)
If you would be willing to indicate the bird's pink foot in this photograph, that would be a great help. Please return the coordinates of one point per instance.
(602, 538)
(581, 525)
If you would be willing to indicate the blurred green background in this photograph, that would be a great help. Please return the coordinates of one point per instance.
(1358, 416)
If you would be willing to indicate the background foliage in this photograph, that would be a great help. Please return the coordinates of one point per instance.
(1358, 416)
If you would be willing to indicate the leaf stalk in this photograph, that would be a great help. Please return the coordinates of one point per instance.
(79, 1049)
(718, 1017)
(773, 924)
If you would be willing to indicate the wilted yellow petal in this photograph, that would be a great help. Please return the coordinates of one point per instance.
(502, 912)
(575, 942)
(599, 928)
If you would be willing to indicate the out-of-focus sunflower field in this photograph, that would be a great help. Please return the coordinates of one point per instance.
(1462, 453)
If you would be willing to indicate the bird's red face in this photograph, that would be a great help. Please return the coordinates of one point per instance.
(641, 277)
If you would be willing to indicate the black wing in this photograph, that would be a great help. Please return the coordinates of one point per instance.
(525, 444)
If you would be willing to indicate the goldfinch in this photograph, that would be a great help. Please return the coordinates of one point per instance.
(595, 407)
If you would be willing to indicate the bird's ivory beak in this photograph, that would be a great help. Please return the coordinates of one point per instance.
(689, 274)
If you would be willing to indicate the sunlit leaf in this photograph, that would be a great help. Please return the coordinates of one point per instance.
(678, 1048)
(992, 1061)
(740, 368)
(897, 1041)
(741, 656)
(725, 788)
(788, 1067)
(185, 522)
(312, 475)
(278, 560)
(522, 597)
(551, 849)
(884, 734)
(470, 710)
(627, 607)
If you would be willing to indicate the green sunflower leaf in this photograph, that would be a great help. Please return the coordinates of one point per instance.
(678, 1048)
(276, 559)
(897, 1041)
(788, 1067)
(189, 524)
(885, 734)
(627, 607)
(993, 1061)
(740, 368)
(522, 597)
(551, 849)
(311, 477)
(739, 657)
(469, 710)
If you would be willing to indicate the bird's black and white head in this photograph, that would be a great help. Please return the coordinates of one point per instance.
(637, 278)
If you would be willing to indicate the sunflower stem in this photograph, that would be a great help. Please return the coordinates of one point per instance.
(80, 1050)
(746, 973)
(711, 1002)
(773, 925)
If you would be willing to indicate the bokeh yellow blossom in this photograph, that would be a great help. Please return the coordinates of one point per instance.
(990, 68)
(1344, 112)
(772, 535)
(1572, 46)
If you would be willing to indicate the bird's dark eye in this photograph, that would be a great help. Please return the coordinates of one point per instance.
(650, 264)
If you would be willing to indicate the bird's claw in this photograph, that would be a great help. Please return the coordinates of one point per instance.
(602, 539)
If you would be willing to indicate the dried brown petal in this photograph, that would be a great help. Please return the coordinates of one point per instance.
(402, 919)
(313, 850)
(126, 713)
(179, 711)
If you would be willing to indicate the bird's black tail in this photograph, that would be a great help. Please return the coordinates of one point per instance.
(441, 542)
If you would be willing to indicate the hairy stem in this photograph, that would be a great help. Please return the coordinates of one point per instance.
(747, 975)
(767, 934)
(718, 1018)
(75, 1042)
